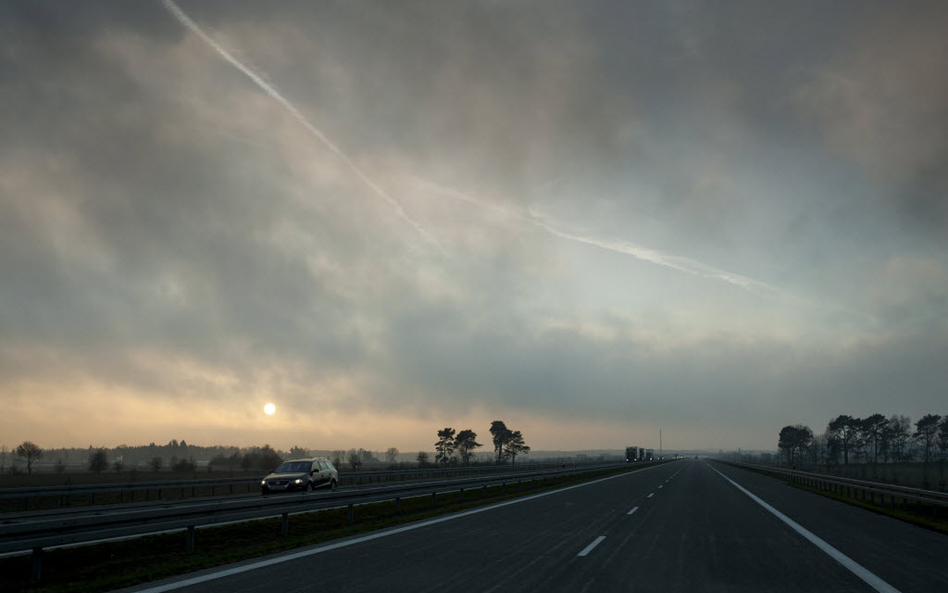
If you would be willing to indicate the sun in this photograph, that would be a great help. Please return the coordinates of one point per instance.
(269, 409)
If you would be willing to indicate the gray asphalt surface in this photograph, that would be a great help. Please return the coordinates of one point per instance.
(696, 532)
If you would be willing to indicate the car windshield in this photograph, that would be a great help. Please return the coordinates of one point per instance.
(295, 467)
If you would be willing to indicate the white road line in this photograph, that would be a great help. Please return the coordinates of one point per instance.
(187, 582)
(590, 547)
(650, 495)
(853, 566)
(633, 510)
(661, 485)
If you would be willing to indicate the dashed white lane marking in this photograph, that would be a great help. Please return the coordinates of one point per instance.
(661, 485)
(188, 581)
(633, 510)
(853, 566)
(590, 547)
(651, 494)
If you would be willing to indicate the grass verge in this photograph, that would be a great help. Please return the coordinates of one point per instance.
(113, 565)
(923, 515)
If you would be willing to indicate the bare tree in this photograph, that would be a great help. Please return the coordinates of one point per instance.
(466, 442)
(298, 451)
(29, 451)
(515, 446)
(925, 430)
(355, 459)
(900, 430)
(98, 460)
(500, 434)
(943, 435)
(444, 448)
(3, 459)
(422, 459)
(155, 463)
(873, 429)
(391, 455)
(794, 441)
(845, 431)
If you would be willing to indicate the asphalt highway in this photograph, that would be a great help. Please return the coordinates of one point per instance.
(688, 526)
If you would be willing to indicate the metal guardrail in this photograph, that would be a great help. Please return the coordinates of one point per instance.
(34, 534)
(853, 488)
(66, 492)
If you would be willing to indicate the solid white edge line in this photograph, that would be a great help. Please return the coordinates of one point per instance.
(590, 547)
(343, 544)
(633, 510)
(651, 494)
(854, 567)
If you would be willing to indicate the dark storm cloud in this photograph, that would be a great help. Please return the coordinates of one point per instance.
(716, 380)
(159, 209)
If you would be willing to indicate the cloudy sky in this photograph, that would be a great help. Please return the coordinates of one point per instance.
(592, 220)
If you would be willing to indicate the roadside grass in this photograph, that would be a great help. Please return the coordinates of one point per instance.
(113, 565)
(923, 515)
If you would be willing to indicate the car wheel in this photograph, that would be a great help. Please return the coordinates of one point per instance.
(310, 487)
(333, 485)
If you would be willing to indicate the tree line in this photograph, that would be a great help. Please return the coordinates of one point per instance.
(454, 447)
(871, 439)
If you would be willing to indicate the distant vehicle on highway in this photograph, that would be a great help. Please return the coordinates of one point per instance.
(301, 474)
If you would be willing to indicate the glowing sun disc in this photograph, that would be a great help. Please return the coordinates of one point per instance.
(269, 409)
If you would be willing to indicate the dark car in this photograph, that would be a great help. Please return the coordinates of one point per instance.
(301, 474)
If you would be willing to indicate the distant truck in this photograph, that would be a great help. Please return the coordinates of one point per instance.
(633, 454)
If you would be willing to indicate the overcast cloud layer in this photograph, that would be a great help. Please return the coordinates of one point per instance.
(590, 219)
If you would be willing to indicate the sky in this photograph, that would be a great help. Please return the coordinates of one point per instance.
(592, 220)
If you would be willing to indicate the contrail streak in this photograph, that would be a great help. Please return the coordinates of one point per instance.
(185, 20)
(675, 262)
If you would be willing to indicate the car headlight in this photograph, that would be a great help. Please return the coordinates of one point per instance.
(298, 481)
(263, 482)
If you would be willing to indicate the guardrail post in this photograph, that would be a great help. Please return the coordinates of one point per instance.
(351, 514)
(434, 499)
(462, 494)
(36, 564)
(398, 504)
(285, 524)
(189, 546)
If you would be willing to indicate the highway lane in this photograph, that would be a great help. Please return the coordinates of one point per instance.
(676, 527)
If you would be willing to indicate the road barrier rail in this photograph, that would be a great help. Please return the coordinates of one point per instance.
(65, 495)
(853, 488)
